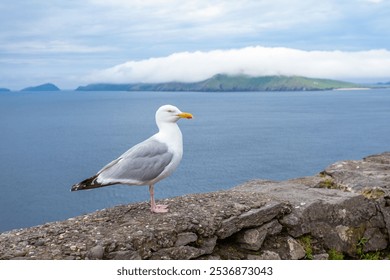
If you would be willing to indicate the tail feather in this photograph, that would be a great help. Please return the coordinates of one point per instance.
(90, 183)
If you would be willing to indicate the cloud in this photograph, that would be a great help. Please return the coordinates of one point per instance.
(55, 46)
(375, 1)
(187, 40)
(253, 61)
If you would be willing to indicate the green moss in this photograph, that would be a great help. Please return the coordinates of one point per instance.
(328, 184)
(356, 239)
(335, 255)
(366, 256)
(360, 246)
(306, 242)
(371, 256)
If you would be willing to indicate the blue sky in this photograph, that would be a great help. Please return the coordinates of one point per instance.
(73, 43)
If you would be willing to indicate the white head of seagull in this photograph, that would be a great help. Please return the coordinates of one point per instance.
(147, 162)
(169, 114)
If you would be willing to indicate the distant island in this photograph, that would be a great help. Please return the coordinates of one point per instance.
(384, 84)
(44, 87)
(223, 82)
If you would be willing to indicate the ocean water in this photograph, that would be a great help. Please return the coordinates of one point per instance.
(51, 140)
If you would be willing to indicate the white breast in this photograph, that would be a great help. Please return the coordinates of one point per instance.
(171, 135)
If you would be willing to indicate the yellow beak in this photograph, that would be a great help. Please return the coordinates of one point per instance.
(185, 115)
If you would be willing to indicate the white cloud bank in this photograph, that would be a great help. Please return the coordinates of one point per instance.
(253, 61)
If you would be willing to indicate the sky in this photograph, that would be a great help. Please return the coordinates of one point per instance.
(72, 43)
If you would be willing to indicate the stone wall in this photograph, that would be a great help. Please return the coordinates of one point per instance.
(343, 212)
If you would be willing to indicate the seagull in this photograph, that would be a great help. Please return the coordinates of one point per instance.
(147, 162)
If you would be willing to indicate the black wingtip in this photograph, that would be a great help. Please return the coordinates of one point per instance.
(89, 183)
(75, 188)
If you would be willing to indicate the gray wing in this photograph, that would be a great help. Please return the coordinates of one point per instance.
(142, 163)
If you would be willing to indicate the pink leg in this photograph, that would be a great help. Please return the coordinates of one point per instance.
(156, 208)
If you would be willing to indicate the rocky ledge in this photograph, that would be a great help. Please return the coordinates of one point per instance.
(342, 212)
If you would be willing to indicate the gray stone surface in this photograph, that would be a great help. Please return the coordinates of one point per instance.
(96, 253)
(363, 176)
(266, 255)
(185, 238)
(252, 239)
(345, 208)
(296, 250)
(188, 231)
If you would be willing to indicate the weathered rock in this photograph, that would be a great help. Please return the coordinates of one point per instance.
(132, 232)
(209, 257)
(345, 208)
(273, 227)
(266, 255)
(185, 238)
(296, 250)
(384, 209)
(252, 239)
(96, 253)
(370, 176)
(124, 255)
(253, 217)
(285, 246)
(178, 253)
(208, 244)
(336, 217)
(324, 256)
(229, 251)
(375, 240)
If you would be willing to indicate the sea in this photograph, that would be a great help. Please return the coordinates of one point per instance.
(52, 140)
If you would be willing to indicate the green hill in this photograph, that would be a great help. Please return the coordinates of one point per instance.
(269, 83)
(222, 82)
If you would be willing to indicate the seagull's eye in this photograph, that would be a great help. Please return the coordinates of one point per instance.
(170, 111)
